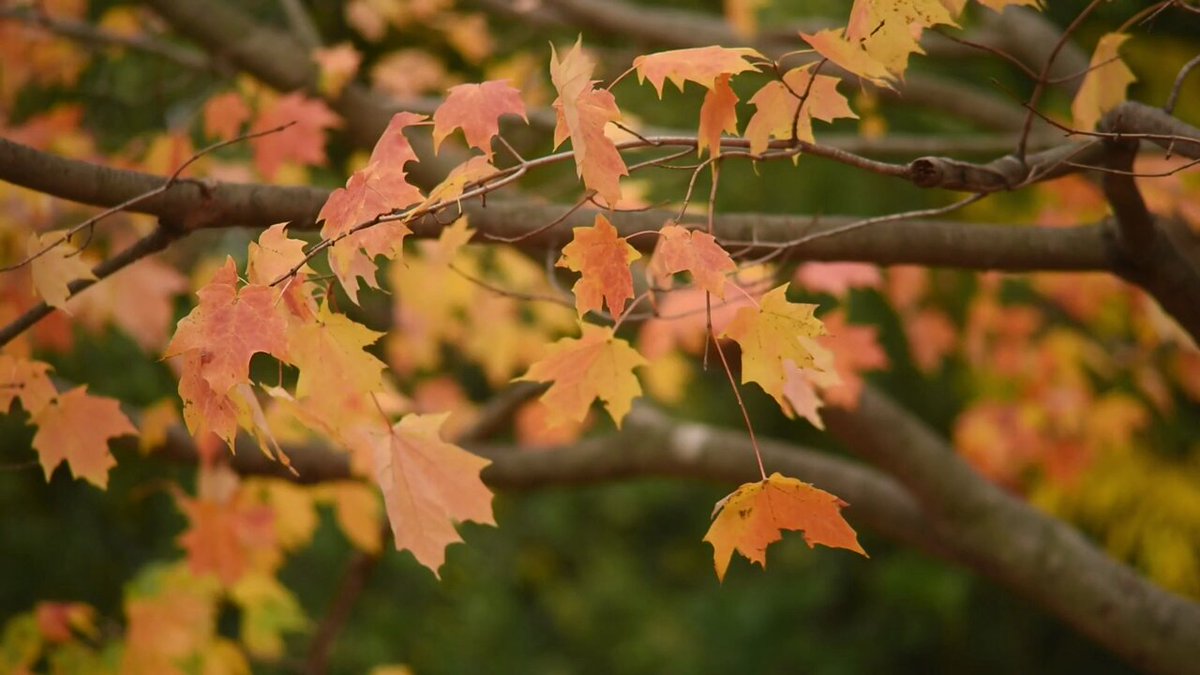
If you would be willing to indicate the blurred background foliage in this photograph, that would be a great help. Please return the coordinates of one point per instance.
(614, 579)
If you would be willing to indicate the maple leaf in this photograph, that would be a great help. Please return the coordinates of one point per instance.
(743, 16)
(148, 321)
(683, 250)
(55, 268)
(837, 278)
(603, 260)
(428, 484)
(329, 353)
(776, 107)
(377, 189)
(852, 350)
(25, 380)
(275, 255)
(303, 141)
(752, 517)
(337, 66)
(224, 531)
(76, 427)
(224, 115)
(880, 36)
(476, 109)
(582, 111)
(702, 65)
(229, 326)
(718, 114)
(1104, 85)
(597, 365)
(769, 336)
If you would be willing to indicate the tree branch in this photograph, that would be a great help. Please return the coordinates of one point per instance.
(1042, 558)
(922, 242)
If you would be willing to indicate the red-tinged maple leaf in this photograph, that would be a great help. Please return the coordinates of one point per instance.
(224, 115)
(75, 427)
(931, 337)
(853, 350)
(683, 250)
(769, 336)
(582, 111)
(337, 65)
(224, 532)
(776, 107)
(303, 141)
(752, 518)
(228, 327)
(718, 114)
(603, 260)
(1104, 85)
(836, 278)
(25, 380)
(52, 270)
(476, 109)
(596, 365)
(428, 485)
(702, 65)
(377, 189)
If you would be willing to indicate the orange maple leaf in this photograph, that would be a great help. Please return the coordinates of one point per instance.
(303, 141)
(378, 188)
(76, 427)
(603, 260)
(702, 65)
(752, 517)
(718, 114)
(683, 250)
(228, 327)
(476, 109)
(224, 115)
(776, 107)
(582, 111)
(597, 365)
(770, 335)
(224, 531)
(427, 485)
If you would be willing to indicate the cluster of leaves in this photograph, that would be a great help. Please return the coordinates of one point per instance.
(1044, 410)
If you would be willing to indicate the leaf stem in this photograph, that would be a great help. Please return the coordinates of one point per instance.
(742, 406)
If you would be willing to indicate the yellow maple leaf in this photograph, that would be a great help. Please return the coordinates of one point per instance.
(770, 335)
(56, 268)
(1104, 86)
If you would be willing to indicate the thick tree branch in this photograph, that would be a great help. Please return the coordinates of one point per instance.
(649, 444)
(1043, 559)
(921, 242)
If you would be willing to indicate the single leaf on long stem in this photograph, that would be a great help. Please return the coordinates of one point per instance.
(752, 518)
